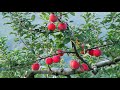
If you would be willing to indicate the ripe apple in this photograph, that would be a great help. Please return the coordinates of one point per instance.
(91, 52)
(85, 67)
(60, 52)
(51, 27)
(74, 64)
(53, 18)
(97, 52)
(62, 26)
(49, 60)
(56, 58)
(35, 66)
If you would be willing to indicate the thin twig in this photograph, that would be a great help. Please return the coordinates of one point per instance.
(102, 46)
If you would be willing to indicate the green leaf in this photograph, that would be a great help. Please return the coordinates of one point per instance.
(72, 13)
(66, 40)
(33, 17)
(16, 39)
(38, 45)
(41, 52)
(66, 15)
(8, 23)
(71, 21)
(61, 45)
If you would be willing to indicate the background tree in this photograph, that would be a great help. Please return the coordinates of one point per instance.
(58, 33)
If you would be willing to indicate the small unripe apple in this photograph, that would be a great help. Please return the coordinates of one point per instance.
(82, 52)
(35, 66)
(53, 18)
(51, 26)
(62, 26)
(49, 60)
(82, 46)
(91, 52)
(97, 52)
(60, 52)
(74, 64)
(85, 67)
(56, 58)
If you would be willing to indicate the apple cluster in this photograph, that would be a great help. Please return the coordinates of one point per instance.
(51, 26)
(74, 64)
(49, 60)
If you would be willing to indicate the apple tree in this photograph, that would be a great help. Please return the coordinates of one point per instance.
(46, 46)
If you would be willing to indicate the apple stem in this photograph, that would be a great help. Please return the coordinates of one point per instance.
(49, 68)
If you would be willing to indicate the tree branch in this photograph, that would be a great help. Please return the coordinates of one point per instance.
(114, 42)
(26, 45)
(69, 71)
(79, 55)
(107, 62)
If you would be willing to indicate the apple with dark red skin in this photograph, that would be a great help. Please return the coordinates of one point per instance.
(91, 52)
(60, 52)
(85, 67)
(62, 26)
(35, 66)
(74, 64)
(56, 58)
(51, 27)
(49, 61)
(97, 52)
(53, 17)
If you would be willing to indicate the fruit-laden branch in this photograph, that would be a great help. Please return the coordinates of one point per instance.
(69, 71)
(113, 43)
(73, 45)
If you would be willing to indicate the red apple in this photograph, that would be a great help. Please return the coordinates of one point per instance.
(62, 26)
(91, 52)
(60, 52)
(85, 67)
(56, 58)
(97, 52)
(74, 64)
(48, 60)
(51, 27)
(53, 18)
(35, 66)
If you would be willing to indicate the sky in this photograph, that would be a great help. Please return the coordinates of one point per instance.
(6, 29)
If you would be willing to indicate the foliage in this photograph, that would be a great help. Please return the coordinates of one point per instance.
(38, 40)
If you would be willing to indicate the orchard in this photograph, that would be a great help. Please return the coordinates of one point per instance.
(45, 46)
